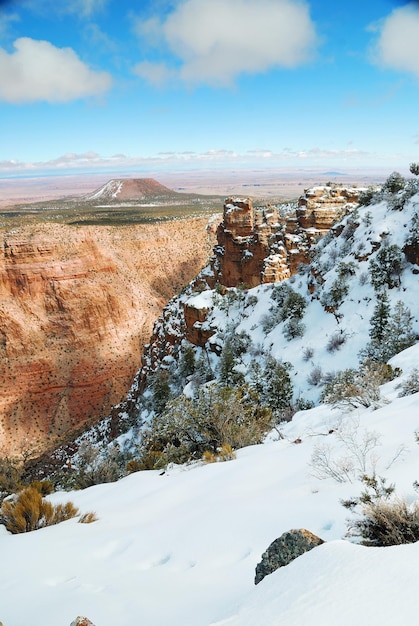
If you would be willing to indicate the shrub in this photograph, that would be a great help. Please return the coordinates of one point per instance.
(410, 385)
(366, 197)
(385, 520)
(28, 511)
(294, 328)
(217, 416)
(10, 476)
(315, 376)
(414, 168)
(88, 518)
(335, 342)
(394, 183)
(356, 458)
(308, 353)
(332, 299)
(94, 465)
(353, 389)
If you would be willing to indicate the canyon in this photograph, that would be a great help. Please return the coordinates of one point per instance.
(77, 304)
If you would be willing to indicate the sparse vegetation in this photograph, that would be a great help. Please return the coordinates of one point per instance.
(28, 510)
(384, 520)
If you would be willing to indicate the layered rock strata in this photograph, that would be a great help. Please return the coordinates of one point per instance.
(76, 307)
(261, 245)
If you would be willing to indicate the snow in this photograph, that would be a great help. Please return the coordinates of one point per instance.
(181, 547)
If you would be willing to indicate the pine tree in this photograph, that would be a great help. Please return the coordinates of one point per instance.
(380, 319)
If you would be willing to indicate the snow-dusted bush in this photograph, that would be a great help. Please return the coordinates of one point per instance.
(394, 183)
(353, 388)
(315, 377)
(384, 520)
(294, 328)
(410, 385)
(366, 197)
(218, 415)
(336, 341)
(353, 457)
(333, 298)
(308, 353)
(413, 237)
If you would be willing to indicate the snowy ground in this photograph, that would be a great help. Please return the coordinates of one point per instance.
(180, 548)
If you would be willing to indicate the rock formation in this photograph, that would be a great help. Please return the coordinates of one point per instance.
(260, 245)
(76, 307)
(285, 549)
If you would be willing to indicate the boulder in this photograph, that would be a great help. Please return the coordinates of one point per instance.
(81, 621)
(285, 549)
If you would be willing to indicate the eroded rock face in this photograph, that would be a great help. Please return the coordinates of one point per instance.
(285, 549)
(76, 307)
(258, 245)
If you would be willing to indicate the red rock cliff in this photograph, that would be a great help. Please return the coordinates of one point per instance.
(76, 307)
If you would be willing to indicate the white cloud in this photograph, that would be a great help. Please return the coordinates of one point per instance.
(218, 40)
(155, 73)
(38, 71)
(398, 44)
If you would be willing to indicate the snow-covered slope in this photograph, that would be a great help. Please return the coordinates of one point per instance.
(181, 547)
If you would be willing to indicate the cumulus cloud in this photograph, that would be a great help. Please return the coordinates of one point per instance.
(398, 43)
(38, 71)
(217, 41)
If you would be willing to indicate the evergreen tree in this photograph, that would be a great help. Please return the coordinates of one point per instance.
(380, 319)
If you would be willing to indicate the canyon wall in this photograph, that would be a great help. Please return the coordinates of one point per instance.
(76, 307)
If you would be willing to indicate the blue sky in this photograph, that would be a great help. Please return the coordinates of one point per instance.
(145, 85)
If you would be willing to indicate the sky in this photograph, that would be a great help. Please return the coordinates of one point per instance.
(123, 85)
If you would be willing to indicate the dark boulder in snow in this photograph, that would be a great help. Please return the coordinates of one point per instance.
(285, 549)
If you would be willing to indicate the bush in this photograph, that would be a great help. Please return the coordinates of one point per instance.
(388, 523)
(293, 328)
(335, 342)
(366, 197)
(357, 454)
(410, 385)
(352, 388)
(394, 183)
(216, 417)
(332, 299)
(28, 511)
(315, 377)
(10, 476)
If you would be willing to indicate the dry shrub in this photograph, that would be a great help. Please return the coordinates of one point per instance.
(225, 453)
(88, 518)
(28, 511)
(387, 523)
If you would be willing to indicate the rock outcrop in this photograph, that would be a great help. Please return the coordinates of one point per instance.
(76, 307)
(262, 245)
(81, 621)
(285, 549)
